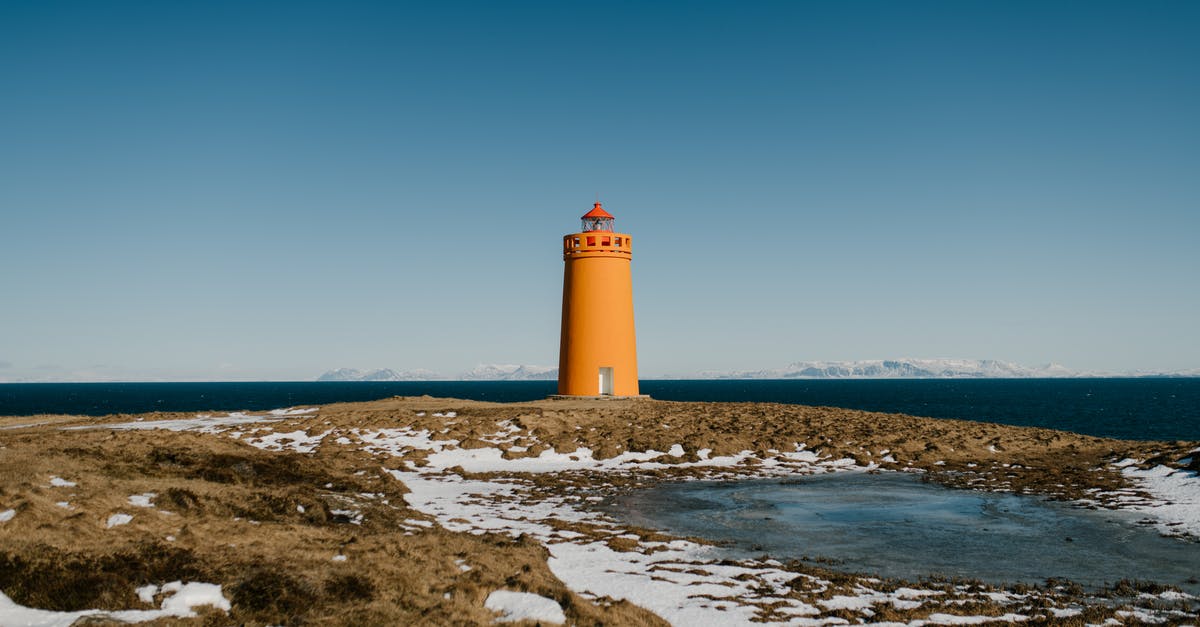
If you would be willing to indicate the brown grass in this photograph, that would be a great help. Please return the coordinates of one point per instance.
(263, 524)
(232, 511)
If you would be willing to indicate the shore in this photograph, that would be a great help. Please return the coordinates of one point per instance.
(422, 510)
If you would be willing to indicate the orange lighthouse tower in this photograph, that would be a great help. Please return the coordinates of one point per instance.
(597, 351)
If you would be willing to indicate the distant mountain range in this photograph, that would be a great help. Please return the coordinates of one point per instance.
(863, 369)
(902, 369)
(482, 372)
(925, 369)
(382, 374)
(509, 372)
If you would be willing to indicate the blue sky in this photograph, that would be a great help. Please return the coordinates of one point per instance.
(232, 190)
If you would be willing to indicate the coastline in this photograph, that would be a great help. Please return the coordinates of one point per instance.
(1137, 409)
(504, 488)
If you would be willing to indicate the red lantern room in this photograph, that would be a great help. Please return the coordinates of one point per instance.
(597, 220)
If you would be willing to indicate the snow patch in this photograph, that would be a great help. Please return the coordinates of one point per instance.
(142, 500)
(146, 593)
(298, 441)
(202, 423)
(118, 519)
(179, 600)
(294, 411)
(23, 425)
(951, 619)
(445, 454)
(185, 596)
(1176, 497)
(676, 582)
(518, 606)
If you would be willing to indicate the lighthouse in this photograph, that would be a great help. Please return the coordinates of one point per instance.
(597, 351)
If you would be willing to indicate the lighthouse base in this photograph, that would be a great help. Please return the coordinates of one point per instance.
(606, 397)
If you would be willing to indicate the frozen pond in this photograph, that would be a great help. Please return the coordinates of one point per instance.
(893, 524)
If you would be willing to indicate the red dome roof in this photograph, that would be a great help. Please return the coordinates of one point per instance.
(596, 212)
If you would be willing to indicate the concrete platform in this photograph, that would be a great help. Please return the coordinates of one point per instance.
(606, 397)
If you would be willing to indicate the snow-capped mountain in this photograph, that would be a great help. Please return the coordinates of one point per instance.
(904, 369)
(482, 372)
(341, 374)
(381, 374)
(509, 372)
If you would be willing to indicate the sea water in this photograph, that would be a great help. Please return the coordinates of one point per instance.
(1139, 409)
(895, 525)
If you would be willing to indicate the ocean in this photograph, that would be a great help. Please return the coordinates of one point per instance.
(1136, 409)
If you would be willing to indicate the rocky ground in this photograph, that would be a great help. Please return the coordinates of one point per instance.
(443, 511)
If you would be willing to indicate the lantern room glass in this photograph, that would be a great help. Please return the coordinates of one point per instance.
(597, 224)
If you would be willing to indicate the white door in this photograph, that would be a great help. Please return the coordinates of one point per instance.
(606, 381)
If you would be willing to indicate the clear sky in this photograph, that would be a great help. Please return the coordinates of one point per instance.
(267, 190)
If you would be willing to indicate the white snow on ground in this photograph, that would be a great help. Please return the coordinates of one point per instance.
(516, 606)
(118, 519)
(295, 411)
(185, 596)
(680, 583)
(146, 593)
(1176, 495)
(142, 500)
(1167, 595)
(298, 441)
(355, 517)
(61, 483)
(491, 460)
(22, 426)
(446, 454)
(658, 581)
(684, 582)
(951, 619)
(1141, 618)
(180, 599)
(401, 441)
(7, 515)
(665, 581)
(201, 423)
